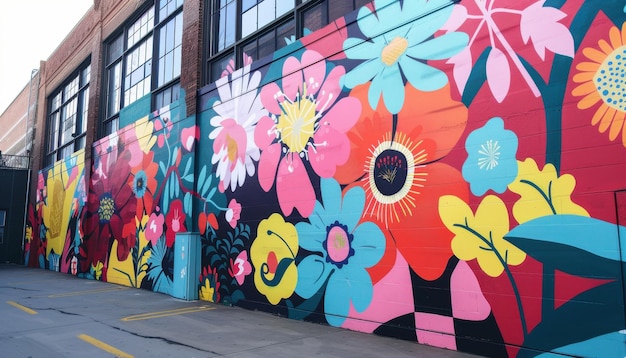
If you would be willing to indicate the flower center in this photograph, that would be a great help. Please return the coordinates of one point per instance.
(394, 49)
(106, 208)
(297, 123)
(610, 79)
(338, 244)
(390, 172)
(232, 148)
(139, 187)
(490, 153)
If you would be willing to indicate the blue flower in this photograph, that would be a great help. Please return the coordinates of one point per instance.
(393, 52)
(491, 162)
(342, 249)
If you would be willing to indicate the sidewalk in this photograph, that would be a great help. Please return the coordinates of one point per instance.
(49, 314)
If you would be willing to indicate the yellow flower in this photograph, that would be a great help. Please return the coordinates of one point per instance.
(480, 236)
(273, 255)
(123, 272)
(143, 130)
(602, 80)
(97, 270)
(543, 192)
(61, 185)
(207, 293)
(29, 233)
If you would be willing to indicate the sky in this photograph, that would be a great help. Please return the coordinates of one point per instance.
(30, 30)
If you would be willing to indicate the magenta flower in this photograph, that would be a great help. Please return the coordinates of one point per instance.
(308, 124)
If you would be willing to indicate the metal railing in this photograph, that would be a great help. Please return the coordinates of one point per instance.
(14, 161)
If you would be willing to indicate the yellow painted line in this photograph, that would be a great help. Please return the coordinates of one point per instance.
(105, 347)
(23, 308)
(87, 292)
(159, 314)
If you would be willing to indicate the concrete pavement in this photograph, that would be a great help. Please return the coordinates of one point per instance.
(49, 314)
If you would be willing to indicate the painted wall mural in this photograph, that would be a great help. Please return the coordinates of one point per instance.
(442, 172)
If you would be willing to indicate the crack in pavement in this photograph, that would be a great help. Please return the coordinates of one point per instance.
(163, 339)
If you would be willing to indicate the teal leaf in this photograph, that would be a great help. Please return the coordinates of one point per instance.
(201, 177)
(163, 168)
(187, 202)
(477, 78)
(566, 241)
(187, 167)
(590, 314)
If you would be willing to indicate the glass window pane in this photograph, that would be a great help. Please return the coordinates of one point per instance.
(114, 89)
(313, 18)
(116, 47)
(267, 44)
(339, 8)
(219, 68)
(250, 50)
(283, 6)
(248, 22)
(246, 4)
(230, 23)
(284, 33)
(267, 12)
(3, 214)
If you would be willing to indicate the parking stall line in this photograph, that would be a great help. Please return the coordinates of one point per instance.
(23, 308)
(105, 347)
(87, 292)
(159, 314)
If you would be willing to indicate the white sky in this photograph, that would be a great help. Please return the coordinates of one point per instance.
(30, 30)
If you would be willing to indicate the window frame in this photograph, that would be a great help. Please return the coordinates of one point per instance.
(62, 143)
(212, 55)
(3, 224)
(154, 87)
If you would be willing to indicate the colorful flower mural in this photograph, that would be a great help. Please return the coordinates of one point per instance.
(473, 210)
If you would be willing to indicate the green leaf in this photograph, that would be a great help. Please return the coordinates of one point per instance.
(577, 245)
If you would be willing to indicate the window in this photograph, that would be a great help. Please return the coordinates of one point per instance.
(3, 218)
(263, 27)
(142, 58)
(67, 116)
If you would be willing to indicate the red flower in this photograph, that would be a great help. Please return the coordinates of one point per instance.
(143, 183)
(175, 222)
(110, 214)
(398, 165)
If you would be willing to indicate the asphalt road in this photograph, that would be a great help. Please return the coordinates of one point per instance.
(49, 314)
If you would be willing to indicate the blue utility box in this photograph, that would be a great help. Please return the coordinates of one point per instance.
(187, 249)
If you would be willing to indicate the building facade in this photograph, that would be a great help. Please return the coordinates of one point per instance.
(447, 172)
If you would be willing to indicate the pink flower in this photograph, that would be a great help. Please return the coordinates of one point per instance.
(233, 213)
(240, 268)
(154, 228)
(307, 123)
(188, 137)
(491, 20)
(163, 122)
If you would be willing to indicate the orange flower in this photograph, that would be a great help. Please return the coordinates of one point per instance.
(396, 161)
(602, 80)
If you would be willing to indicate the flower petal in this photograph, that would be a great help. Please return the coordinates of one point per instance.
(267, 166)
(312, 274)
(441, 47)
(369, 244)
(293, 187)
(422, 76)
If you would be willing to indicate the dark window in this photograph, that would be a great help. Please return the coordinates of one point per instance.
(144, 57)
(262, 27)
(67, 116)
